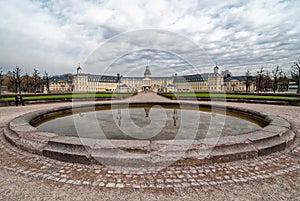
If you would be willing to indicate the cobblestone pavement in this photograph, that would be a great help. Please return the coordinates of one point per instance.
(26, 176)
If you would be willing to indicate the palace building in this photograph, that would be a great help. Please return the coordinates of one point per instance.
(148, 83)
(104, 83)
(59, 84)
(94, 83)
(212, 82)
(238, 84)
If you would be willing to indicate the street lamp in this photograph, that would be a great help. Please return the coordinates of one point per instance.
(175, 84)
(119, 77)
(119, 115)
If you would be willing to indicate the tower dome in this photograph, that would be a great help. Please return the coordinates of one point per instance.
(216, 69)
(147, 72)
(79, 69)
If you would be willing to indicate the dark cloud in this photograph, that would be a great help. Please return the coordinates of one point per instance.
(238, 35)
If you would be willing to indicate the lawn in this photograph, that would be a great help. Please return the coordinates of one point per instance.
(66, 96)
(234, 96)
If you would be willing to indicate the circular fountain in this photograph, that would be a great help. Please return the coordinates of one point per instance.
(152, 134)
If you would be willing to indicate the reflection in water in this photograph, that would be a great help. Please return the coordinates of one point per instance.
(119, 117)
(147, 123)
(175, 117)
(147, 111)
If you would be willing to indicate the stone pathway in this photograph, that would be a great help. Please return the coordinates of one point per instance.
(146, 97)
(38, 168)
(169, 177)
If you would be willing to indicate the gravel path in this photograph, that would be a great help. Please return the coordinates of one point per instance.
(15, 186)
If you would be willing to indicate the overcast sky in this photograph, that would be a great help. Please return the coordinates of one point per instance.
(174, 36)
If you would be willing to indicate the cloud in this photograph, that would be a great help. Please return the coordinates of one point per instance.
(238, 35)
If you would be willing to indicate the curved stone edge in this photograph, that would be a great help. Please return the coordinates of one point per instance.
(276, 136)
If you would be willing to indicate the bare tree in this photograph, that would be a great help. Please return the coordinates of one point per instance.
(283, 82)
(295, 71)
(267, 82)
(26, 82)
(36, 80)
(248, 80)
(259, 79)
(10, 84)
(46, 82)
(16, 79)
(275, 75)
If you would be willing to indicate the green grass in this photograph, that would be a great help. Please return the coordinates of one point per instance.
(235, 96)
(66, 96)
(27, 97)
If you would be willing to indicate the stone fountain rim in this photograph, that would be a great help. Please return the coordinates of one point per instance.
(277, 135)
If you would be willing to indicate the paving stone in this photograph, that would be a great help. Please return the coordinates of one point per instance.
(76, 182)
(86, 182)
(63, 180)
(110, 185)
(120, 185)
(101, 184)
(136, 186)
(69, 181)
(172, 177)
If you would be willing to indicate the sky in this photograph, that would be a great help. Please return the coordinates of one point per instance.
(175, 36)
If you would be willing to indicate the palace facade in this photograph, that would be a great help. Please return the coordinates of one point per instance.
(94, 83)
(59, 84)
(104, 83)
(238, 84)
(148, 83)
(212, 82)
